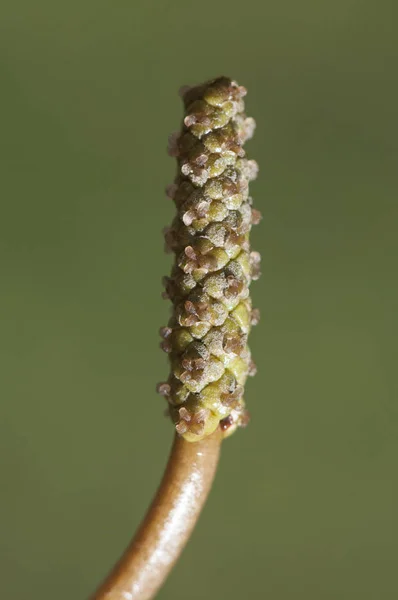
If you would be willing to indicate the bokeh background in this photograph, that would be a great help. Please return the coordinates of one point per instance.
(305, 502)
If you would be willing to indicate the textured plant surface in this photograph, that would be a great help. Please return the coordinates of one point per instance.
(206, 337)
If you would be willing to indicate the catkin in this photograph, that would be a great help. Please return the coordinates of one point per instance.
(206, 337)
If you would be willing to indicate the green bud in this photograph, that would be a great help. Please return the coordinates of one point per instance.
(206, 338)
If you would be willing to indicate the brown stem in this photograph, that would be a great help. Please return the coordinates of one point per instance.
(168, 524)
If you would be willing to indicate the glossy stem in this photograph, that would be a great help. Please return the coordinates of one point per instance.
(168, 523)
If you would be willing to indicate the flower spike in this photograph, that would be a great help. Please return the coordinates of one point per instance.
(206, 337)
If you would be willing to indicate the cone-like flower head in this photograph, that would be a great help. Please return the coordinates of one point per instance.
(206, 337)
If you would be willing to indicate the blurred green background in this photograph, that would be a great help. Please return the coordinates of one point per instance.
(305, 502)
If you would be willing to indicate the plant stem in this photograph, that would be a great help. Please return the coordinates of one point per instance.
(168, 523)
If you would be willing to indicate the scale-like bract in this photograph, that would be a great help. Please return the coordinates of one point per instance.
(206, 337)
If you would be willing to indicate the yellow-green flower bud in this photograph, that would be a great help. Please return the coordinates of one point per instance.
(206, 337)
